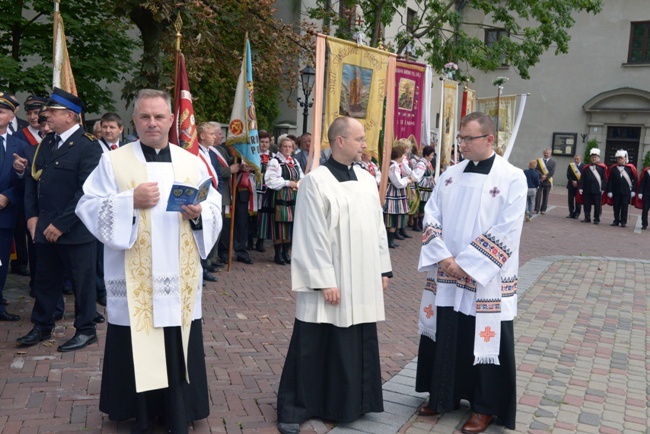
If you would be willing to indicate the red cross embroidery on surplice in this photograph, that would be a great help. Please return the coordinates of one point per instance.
(487, 334)
(448, 181)
(494, 192)
(429, 311)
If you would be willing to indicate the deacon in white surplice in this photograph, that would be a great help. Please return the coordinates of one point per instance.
(154, 361)
(340, 268)
(470, 249)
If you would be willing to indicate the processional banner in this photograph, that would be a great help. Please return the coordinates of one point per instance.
(469, 102)
(356, 87)
(504, 118)
(448, 121)
(410, 80)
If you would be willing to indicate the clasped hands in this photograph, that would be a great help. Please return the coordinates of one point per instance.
(451, 268)
(333, 295)
(147, 195)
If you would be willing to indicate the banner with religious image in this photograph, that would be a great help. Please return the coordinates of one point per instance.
(243, 138)
(410, 79)
(469, 102)
(356, 87)
(448, 121)
(504, 119)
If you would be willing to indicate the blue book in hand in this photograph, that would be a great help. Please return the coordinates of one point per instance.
(186, 194)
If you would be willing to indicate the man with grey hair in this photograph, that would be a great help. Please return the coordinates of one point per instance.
(154, 363)
(339, 271)
(546, 170)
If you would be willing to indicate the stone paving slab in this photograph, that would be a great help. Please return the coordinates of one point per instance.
(582, 345)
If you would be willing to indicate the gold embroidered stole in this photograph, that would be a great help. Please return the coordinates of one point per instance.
(148, 341)
(574, 169)
(542, 166)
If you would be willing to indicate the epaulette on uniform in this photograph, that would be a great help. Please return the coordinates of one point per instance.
(91, 137)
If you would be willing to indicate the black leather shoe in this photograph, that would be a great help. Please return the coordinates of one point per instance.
(279, 260)
(259, 246)
(586, 220)
(101, 301)
(57, 316)
(99, 318)
(209, 277)
(248, 261)
(398, 236)
(644, 227)
(623, 225)
(403, 233)
(6, 316)
(614, 224)
(78, 342)
(570, 216)
(211, 269)
(287, 258)
(34, 336)
(289, 428)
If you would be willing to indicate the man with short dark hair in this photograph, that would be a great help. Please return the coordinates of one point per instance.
(64, 246)
(339, 270)
(112, 128)
(470, 250)
(592, 185)
(305, 145)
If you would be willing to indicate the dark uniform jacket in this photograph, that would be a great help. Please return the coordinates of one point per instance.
(617, 184)
(9, 182)
(54, 195)
(589, 183)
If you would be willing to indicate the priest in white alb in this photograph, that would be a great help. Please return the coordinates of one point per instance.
(154, 363)
(340, 267)
(470, 250)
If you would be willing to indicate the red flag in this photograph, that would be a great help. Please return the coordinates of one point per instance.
(183, 132)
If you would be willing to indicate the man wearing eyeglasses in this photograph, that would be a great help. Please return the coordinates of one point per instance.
(470, 250)
(546, 170)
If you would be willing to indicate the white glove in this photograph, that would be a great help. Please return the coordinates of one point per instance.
(633, 194)
(640, 195)
(580, 191)
(610, 195)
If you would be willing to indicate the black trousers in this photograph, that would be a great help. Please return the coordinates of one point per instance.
(621, 205)
(574, 207)
(6, 236)
(644, 211)
(240, 238)
(20, 239)
(99, 270)
(54, 260)
(541, 198)
(594, 199)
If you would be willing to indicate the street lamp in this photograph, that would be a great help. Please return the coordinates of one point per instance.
(307, 79)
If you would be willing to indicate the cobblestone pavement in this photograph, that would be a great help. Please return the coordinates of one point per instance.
(581, 344)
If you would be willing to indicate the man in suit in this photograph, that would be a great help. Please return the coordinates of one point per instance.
(32, 135)
(546, 170)
(621, 187)
(207, 138)
(53, 187)
(573, 178)
(593, 182)
(9, 193)
(305, 145)
(112, 128)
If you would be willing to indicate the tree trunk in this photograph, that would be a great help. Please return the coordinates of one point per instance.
(376, 28)
(151, 32)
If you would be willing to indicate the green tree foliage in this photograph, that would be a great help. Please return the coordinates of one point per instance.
(445, 34)
(100, 50)
(213, 34)
(591, 144)
(646, 160)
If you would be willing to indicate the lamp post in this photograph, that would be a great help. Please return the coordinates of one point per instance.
(307, 80)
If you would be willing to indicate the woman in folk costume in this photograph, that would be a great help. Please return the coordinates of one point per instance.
(396, 205)
(425, 184)
(367, 164)
(282, 176)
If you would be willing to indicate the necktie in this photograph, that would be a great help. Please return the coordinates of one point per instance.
(113, 146)
(57, 141)
(40, 134)
(2, 150)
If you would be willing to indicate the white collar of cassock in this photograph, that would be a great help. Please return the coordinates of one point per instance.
(476, 162)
